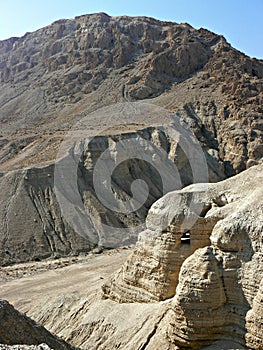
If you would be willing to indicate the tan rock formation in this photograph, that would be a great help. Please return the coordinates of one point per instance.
(31, 223)
(254, 319)
(218, 284)
(64, 71)
(195, 276)
(210, 298)
(54, 227)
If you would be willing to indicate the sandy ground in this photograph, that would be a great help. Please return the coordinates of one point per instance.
(35, 281)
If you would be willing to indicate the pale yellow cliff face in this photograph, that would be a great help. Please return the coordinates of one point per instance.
(169, 295)
(215, 290)
(25, 347)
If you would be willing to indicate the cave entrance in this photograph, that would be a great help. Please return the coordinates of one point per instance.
(185, 238)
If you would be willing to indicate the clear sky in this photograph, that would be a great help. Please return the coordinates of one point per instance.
(240, 21)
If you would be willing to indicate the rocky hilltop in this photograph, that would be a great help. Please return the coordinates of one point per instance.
(54, 77)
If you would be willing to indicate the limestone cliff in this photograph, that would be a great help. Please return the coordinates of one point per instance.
(56, 202)
(213, 287)
(194, 279)
(34, 225)
(169, 294)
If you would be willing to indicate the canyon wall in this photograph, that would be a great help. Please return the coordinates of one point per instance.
(202, 294)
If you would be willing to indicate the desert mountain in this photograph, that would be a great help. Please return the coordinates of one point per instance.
(125, 76)
(52, 77)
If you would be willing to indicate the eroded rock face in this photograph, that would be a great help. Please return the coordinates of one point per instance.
(52, 77)
(172, 295)
(154, 266)
(56, 221)
(254, 321)
(31, 223)
(56, 76)
(217, 294)
(95, 44)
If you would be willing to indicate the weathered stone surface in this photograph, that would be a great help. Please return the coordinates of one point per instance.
(17, 328)
(254, 319)
(175, 295)
(72, 67)
(218, 284)
(166, 297)
(54, 227)
(56, 76)
(31, 223)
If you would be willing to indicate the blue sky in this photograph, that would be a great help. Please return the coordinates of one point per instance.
(240, 21)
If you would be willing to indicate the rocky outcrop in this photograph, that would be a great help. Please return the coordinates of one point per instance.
(154, 266)
(254, 319)
(95, 44)
(57, 223)
(31, 224)
(216, 289)
(16, 328)
(193, 279)
(64, 71)
(204, 294)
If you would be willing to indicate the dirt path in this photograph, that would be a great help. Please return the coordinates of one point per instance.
(81, 278)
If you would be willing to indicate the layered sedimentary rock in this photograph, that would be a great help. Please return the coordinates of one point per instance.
(177, 225)
(217, 294)
(31, 223)
(194, 278)
(254, 319)
(204, 294)
(60, 220)
(53, 77)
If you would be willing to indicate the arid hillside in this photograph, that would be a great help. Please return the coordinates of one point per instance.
(122, 78)
(135, 133)
(53, 77)
(144, 73)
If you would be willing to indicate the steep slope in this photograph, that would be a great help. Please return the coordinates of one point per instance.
(16, 328)
(169, 294)
(215, 287)
(53, 84)
(64, 214)
(52, 77)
